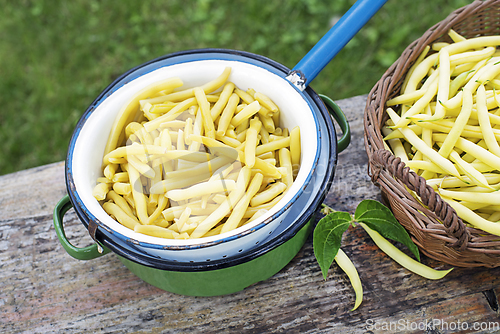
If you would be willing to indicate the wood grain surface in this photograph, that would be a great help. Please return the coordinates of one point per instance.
(44, 290)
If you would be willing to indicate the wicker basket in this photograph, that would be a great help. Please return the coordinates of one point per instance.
(432, 223)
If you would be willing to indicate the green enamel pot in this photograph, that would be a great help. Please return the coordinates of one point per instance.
(236, 272)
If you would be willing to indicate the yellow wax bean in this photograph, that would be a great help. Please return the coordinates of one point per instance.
(138, 130)
(456, 83)
(251, 141)
(266, 206)
(201, 189)
(162, 204)
(256, 215)
(120, 177)
(128, 111)
(473, 149)
(189, 93)
(443, 84)
(264, 135)
(295, 150)
(420, 58)
(473, 43)
(484, 122)
(241, 137)
(188, 130)
(166, 185)
(130, 200)
(419, 105)
(138, 195)
(220, 174)
(265, 101)
(197, 131)
(160, 108)
(269, 194)
(267, 155)
(233, 142)
(215, 217)
(456, 37)
(276, 118)
(272, 146)
(246, 97)
(176, 211)
(426, 150)
(212, 143)
(286, 163)
(396, 145)
(180, 144)
(120, 201)
(170, 115)
(272, 161)
(136, 149)
(110, 170)
(453, 182)
(216, 230)
(347, 266)
(156, 231)
(459, 125)
(437, 46)
(246, 113)
(476, 176)
(266, 168)
(217, 109)
(484, 74)
(208, 123)
(406, 98)
(403, 259)
(420, 72)
(471, 56)
(179, 224)
(175, 124)
(473, 218)
(264, 112)
(240, 208)
(424, 165)
(227, 114)
(120, 215)
(122, 188)
(142, 168)
(267, 124)
(100, 190)
(103, 180)
(240, 107)
(486, 197)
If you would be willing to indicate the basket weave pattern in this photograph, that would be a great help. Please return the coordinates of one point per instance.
(433, 225)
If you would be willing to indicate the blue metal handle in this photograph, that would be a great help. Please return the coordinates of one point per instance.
(333, 41)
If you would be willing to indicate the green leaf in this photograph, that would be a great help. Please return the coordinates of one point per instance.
(379, 218)
(327, 238)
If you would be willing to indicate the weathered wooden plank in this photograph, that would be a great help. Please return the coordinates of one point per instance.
(44, 290)
(31, 192)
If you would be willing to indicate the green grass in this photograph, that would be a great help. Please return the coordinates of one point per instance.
(56, 56)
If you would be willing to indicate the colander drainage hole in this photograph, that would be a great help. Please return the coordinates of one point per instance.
(208, 260)
(270, 232)
(241, 250)
(224, 256)
(257, 243)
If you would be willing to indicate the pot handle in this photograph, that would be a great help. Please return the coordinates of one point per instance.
(86, 253)
(341, 120)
